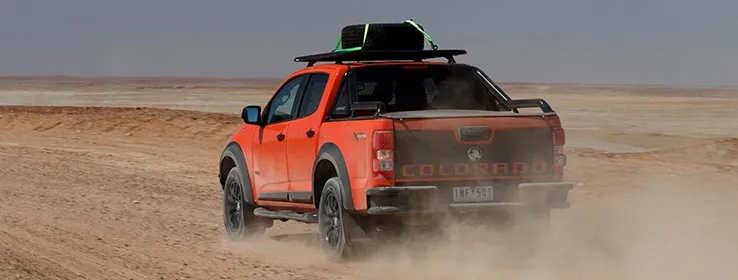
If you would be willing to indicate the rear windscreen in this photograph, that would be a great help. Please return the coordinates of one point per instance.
(424, 87)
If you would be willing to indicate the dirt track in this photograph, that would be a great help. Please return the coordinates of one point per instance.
(111, 193)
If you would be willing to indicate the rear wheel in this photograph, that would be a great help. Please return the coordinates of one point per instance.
(333, 222)
(238, 216)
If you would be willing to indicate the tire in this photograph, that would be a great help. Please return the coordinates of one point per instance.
(383, 36)
(238, 215)
(334, 222)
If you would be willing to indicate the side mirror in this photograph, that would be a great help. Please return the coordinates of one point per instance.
(251, 115)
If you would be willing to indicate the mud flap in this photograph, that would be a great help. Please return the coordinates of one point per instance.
(355, 231)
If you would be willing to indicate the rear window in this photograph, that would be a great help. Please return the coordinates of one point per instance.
(424, 87)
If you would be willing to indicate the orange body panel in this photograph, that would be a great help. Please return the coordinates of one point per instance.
(244, 136)
(356, 149)
(270, 159)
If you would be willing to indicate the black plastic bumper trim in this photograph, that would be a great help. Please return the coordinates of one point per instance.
(550, 195)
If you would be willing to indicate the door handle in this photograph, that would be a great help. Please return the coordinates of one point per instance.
(310, 133)
(280, 137)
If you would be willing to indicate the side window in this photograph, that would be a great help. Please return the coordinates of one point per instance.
(313, 94)
(342, 101)
(431, 90)
(282, 106)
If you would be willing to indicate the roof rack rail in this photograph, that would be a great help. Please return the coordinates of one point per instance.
(380, 55)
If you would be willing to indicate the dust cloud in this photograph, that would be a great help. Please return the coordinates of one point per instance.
(673, 230)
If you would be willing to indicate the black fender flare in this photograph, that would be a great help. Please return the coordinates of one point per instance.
(235, 153)
(330, 152)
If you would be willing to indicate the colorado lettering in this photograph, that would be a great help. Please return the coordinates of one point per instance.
(475, 169)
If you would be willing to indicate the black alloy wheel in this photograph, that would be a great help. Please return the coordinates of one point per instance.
(331, 221)
(238, 216)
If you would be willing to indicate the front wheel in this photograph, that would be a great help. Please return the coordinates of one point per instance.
(238, 216)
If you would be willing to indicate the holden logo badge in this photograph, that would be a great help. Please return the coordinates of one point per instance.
(474, 153)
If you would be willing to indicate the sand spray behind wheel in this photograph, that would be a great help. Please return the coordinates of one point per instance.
(674, 229)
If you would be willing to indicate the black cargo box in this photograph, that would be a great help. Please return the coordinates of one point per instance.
(382, 36)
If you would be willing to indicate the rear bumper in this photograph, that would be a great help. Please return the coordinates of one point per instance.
(428, 199)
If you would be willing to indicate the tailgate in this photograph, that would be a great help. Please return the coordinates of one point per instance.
(486, 148)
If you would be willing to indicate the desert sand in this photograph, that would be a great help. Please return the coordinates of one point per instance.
(111, 178)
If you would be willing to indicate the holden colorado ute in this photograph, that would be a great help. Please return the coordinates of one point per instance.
(360, 148)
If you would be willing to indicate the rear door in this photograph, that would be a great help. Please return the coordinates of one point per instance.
(302, 139)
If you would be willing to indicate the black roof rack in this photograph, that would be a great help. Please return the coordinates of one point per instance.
(379, 55)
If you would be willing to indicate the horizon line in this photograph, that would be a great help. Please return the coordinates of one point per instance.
(278, 79)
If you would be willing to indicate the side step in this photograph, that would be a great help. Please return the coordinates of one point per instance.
(287, 215)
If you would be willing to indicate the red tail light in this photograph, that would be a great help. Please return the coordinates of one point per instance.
(559, 136)
(383, 149)
(559, 158)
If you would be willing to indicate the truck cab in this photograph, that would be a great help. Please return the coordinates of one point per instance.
(350, 146)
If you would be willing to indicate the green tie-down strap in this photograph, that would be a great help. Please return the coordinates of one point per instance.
(363, 41)
(427, 37)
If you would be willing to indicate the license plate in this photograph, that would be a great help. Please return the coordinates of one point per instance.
(474, 194)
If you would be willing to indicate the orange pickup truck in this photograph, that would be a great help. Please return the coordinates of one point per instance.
(361, 147)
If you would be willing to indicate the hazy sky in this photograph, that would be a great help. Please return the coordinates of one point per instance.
(684, 42)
